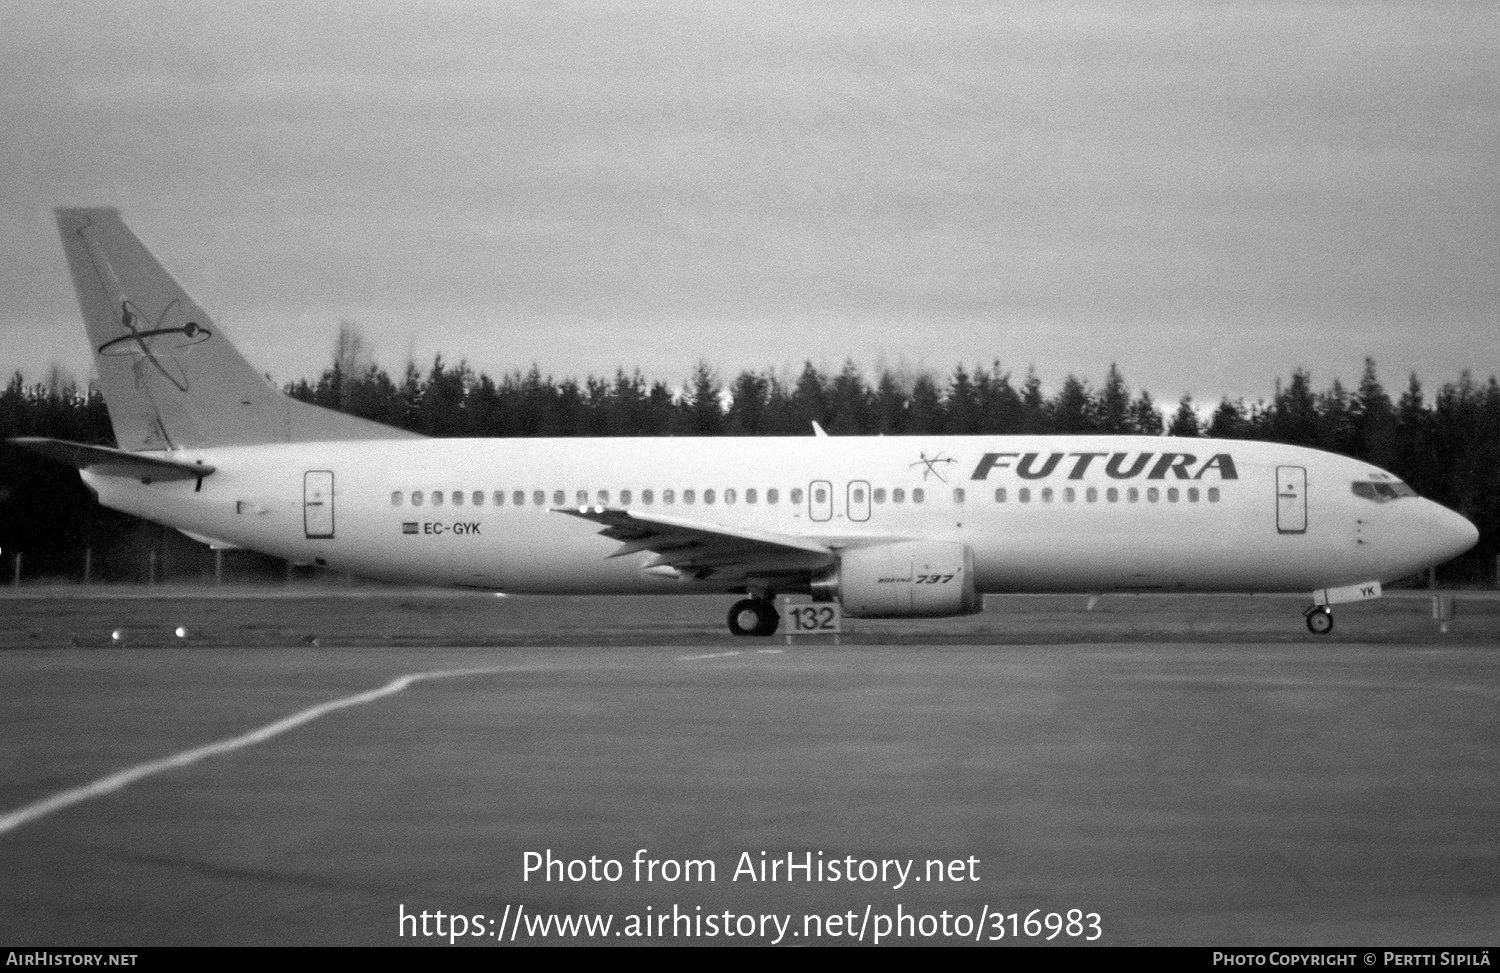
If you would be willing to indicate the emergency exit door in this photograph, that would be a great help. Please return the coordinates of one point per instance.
(317, 503)
(820, 500)
(858, 501)
(1291, 500)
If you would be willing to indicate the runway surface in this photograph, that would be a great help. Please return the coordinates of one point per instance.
(243, 788)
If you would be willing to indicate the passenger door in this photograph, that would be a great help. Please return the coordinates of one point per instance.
(317, 504)
(1291, 500)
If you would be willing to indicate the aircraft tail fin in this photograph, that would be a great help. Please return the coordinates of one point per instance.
(169, 374)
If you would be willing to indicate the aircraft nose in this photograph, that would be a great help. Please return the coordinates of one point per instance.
(1452, 533)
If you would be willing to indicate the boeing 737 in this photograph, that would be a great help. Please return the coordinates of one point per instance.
(887, 527)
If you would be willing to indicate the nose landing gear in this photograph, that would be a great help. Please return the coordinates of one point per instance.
(1319, 620)
(754, 616)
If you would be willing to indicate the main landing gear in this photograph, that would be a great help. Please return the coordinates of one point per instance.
(754, 616)
(1319, 620)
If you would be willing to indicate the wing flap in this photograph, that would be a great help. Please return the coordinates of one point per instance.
(695, 547)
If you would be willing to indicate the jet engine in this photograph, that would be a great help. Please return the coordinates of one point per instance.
(907, 579)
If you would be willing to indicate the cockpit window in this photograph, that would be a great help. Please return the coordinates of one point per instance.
(1383, 491)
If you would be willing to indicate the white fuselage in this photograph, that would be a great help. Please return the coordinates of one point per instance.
(1077, 513)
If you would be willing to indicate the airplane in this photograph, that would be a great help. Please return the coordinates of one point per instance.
(883, 527)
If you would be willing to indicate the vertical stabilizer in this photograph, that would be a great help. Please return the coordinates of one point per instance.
(169, 374)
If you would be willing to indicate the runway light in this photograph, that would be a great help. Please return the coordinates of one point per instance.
(181, 632)
(117, 634)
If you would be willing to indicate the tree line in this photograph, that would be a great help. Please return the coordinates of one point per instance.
(1446, 446)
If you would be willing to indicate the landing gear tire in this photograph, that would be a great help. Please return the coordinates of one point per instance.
(1319, 620)
(754, 616)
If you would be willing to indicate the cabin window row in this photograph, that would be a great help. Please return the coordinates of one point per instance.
(772, 496)
(1110, 494)
(626, 498)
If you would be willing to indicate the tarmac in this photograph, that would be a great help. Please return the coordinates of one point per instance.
(1175, 771)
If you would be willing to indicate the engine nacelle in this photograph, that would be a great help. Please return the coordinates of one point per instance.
(908, 579)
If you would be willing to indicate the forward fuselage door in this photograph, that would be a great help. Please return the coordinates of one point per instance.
(1291, 499)
(857, 503)
(317, 503)
(820, 500)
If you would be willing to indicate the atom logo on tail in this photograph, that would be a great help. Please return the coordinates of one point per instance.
(158, 344)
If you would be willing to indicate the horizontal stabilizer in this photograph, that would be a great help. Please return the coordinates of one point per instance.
(107, 461)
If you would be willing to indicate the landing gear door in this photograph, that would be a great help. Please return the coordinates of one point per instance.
(1291, 500)
(317, 504)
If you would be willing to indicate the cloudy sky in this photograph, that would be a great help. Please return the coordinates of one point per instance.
(1209, 194)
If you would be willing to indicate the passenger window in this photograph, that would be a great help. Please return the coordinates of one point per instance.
(416, 498)
(1213, 494)
(458, 498)
(689, 496)
(437, 498)
(879, 494)
(583, 498)
(1172, 494)
(729, 495)
(918, 495)
(773, 496)
(559, 498)
(1153, 494)
(708, 496)
(797, 495)
(1024, 494)
(859, 494)
(647, 497)
(1000, 495)
(898, 495)
(669, 496)
(750, 495)
(603, 497)
(478, 498)
(1192, 494)
(499, 498)
(396, 499)
(958, 494)
(1112, 495)
(1068, 494)
(1046, 495)
(624, 498)
(820, 496)
(1132, 494)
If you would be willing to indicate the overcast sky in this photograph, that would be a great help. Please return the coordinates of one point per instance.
(1209, 194)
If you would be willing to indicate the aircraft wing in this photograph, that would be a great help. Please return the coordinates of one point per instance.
(702, 550)
(146, 467)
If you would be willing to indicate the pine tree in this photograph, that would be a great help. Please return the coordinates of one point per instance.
(1185, 419)
(1145, 417)
(1113, 407)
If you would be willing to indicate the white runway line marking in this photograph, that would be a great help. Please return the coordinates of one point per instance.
(124, 778)
(769, 651)
(711, 655)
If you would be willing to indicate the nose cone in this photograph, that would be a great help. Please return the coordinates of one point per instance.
(1451, 534)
